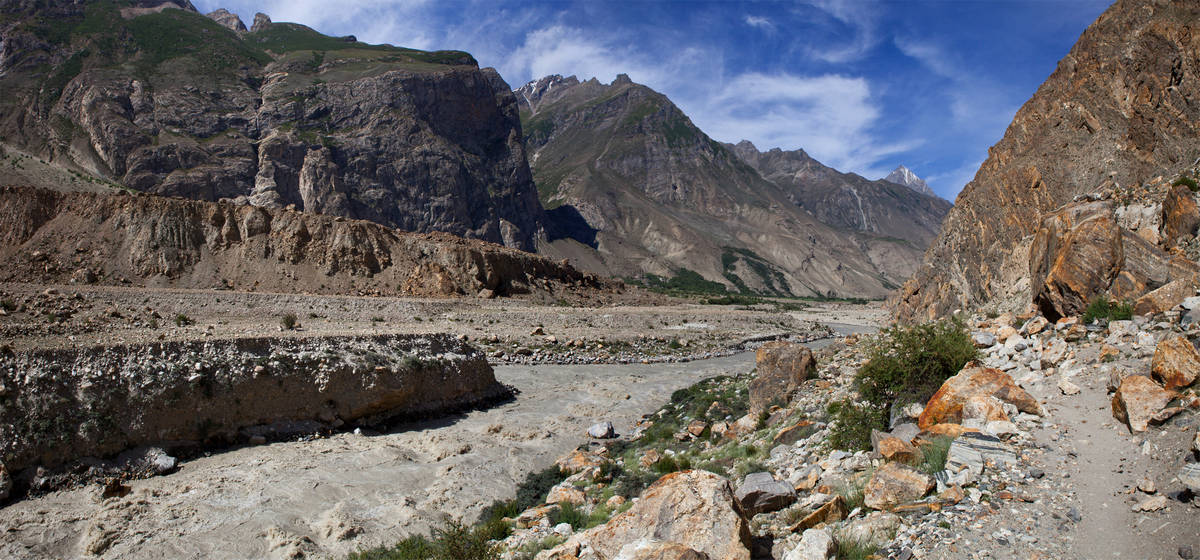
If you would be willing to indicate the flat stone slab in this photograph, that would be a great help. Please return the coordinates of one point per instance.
(973, 450)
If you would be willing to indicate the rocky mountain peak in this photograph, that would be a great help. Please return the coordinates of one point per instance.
(904, 176)
(227, 19)
(622, 79)
(531, 94)
(261, 22)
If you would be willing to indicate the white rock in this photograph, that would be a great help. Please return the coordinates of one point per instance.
(815, 544)
(563, 529)
(1191, 303)
(1067, 387)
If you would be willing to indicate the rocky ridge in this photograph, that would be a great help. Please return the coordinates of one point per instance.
(85, 238)
(1111, 123)
(633, 188)
(161, 99)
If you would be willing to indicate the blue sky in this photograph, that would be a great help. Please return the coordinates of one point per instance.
(862, 87)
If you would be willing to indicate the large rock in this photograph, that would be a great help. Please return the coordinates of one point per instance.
(781, 368)
(1180, 216)
(975, 380)
(761, 493)
(1166, 297)
(65, 404)
(1111, 115)
(1176, 363)
(815, 544)
(972, 451)
(1138, 400)
(1075, 257)
(602, 430)
(649, 549)
(693, 508)
(894, 484)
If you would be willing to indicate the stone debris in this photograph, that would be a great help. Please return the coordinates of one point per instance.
(973, 451)
(894, 484)
(760, 493)
(815, 544)
(602, 430)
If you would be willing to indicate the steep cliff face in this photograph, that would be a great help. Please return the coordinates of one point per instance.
(1118, 111)
(55, 237)
(623, 172)
(162, 99)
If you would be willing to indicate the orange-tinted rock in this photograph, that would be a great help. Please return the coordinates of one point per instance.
(696, 427)
(1137, 401)
(1075, 256)
(1108, 353)
(692, 507)
(781, 368)
(1165, 297)
(984, 408)
(566, 493)
(948, 430)
(892, 448)
(975, 380)
(651, 550)
(894, 484)
(579, 461)
(833, 510)
(794, 433)
(1180, 216)
(1176, 363)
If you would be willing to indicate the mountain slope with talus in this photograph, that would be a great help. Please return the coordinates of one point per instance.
(633, 188)
(159, 98)
(1076, 201)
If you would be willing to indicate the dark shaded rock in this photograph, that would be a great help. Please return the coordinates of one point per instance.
(761, 493)
(781, 368)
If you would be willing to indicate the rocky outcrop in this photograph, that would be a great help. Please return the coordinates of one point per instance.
(279, 116)
(1076, 254)
(692, 508)
(48, 236)
(953, 399)
(781, 367)
(1108, 123)
(633, 188)
(227, 19)
(62, 405)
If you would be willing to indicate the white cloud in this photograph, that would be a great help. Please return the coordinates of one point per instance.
(861, 18)
(760, 22)
(830, 116)
(399, 22)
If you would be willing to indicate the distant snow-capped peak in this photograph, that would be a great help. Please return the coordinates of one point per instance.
(905, 177)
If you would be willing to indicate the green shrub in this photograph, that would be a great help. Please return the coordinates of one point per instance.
(182, 320)
(669, 464)
(849, 549)
(908, 363)
(289, 321)
(1187, 182)
(1102, 308)
(530, 550)
(852, 424)
(852, 491)
(451, 541)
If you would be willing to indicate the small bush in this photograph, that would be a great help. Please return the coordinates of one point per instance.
(1187, 182)
(8, 305)
(289, 321)
(852, 424)
(849, 549)
(182, 320)
(669, 464)
(908, 363)
(1101, 308)
(451, 541)
(852, 492)
(530, 550)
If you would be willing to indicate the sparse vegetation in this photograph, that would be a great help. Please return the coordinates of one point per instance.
(933, 455)
(182, 320)
(289, 321)
(1102, 308)
(452, 541)
(1187, 182)
(905, 364)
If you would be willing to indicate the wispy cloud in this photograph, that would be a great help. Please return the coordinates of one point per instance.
(759, 22)
(860, 19)
(831, 116)
(400, 22)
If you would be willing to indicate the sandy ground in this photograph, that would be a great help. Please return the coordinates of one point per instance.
(334, 495)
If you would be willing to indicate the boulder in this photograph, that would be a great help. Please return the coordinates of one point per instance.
(1076, 254)
(1176, 363)
(781, 368)
(602, 430)
(983, 339)
(795, 432)
(1137, 401)
(892, 448)
(579, 461)
(984, 408)
(566, 493)
(973, 450)
(975, 380)
(1165, 297)
(692, 507)
(894, 484)
(761, 493)
(815, 544)
(875, 529)
(650, 549)
(832, 511)
(1035, 325)
(1180, 216)
(806, 479)
(1189, 475)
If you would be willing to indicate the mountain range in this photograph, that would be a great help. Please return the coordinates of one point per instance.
(152, 96)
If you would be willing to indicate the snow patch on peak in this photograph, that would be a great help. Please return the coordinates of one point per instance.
(905, 177)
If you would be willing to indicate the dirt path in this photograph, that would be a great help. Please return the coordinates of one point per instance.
(348, 491)
(1096, 464)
